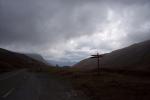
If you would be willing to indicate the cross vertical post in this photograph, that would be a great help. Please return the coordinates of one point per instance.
(98, 64)
(98, 56)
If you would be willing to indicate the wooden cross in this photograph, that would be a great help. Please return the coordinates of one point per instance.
(98, 56)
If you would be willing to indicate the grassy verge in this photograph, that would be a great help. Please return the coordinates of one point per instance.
(107, 85)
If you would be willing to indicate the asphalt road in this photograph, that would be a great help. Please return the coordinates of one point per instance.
(24, 85)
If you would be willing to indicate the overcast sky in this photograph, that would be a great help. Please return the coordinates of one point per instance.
(72, 29)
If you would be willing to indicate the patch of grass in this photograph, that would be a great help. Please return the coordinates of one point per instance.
(107, 85)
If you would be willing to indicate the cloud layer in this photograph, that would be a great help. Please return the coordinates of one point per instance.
(72, 29)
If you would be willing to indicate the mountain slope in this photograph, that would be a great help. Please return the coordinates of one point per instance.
(37, 57)
(134, 57)
(12, 60)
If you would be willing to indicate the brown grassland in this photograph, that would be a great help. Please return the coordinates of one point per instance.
(108, 85)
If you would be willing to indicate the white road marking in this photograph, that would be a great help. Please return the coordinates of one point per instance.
(72, 93)
(8, 93)
(10, 74)
(69, 95)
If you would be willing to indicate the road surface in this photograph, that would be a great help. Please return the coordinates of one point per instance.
(24, 85)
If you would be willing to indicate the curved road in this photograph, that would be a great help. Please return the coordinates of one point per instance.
(23, 85)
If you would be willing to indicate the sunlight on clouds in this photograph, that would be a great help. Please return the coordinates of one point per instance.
(105, 39)
(72, 29)
(109, 35)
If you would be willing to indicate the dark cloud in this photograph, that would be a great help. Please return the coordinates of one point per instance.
(72, 27)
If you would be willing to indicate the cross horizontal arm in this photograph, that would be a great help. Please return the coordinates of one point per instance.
(95, 57)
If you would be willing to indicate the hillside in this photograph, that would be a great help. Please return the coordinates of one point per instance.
(37, 57)
(134, 57)
(12, 61)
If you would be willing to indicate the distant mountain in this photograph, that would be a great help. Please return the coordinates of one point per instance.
(61, 63)
(11, 61)
(134, 57)
(37, 57)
